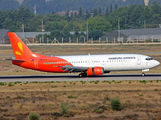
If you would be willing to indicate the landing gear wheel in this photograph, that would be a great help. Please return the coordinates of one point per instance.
(143, 74)
(80, 75)
(84, 74)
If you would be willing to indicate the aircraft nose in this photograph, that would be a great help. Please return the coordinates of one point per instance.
(157, 63)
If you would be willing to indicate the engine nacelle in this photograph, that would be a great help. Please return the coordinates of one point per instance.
(95, 71)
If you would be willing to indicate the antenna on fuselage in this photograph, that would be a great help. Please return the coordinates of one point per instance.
(88, 53)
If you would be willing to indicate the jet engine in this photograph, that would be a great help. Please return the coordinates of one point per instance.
(95, 71)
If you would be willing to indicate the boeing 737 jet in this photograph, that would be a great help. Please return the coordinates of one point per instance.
(87, 65)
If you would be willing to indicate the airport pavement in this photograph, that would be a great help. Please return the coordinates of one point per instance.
(65, 77)
(145, 53)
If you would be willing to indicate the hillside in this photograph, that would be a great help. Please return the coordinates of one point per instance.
(44, 7)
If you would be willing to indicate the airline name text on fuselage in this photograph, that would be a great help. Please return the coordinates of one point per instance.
(116, 58)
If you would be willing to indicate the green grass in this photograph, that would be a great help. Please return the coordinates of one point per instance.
(139, 94)
(116, 104)
(10, 84)
(71, 96)
(54, 86)
(1, 83)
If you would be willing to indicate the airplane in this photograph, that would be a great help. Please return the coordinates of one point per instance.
(87, 65)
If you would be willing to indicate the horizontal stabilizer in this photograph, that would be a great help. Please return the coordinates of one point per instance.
(15, 60)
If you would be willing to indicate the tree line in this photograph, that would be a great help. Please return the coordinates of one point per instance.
(44, 7)
(98, 22)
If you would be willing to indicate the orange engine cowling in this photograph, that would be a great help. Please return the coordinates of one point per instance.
(95, 71)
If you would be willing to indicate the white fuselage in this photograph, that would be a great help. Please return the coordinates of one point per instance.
(113, 62)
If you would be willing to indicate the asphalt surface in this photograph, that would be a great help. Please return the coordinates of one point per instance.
(145, 53)
(60, 77)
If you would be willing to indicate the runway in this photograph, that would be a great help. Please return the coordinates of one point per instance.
(145, 53)
(65, 77)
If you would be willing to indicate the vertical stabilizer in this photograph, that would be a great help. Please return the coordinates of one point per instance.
(21, 51)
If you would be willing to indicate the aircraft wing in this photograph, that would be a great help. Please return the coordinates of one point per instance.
(73, 68)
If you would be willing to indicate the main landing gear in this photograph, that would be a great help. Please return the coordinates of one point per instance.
(82, 74)
(143, 74)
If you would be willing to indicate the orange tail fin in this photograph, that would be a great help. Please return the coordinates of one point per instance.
(21, 51)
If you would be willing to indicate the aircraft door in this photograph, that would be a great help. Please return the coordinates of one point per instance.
(92, 62)
(138, 60)
(88, 61)
(36, 64)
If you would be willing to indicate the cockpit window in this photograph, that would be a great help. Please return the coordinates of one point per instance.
(149, 58)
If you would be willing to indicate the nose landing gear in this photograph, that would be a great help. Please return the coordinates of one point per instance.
(145, 70)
